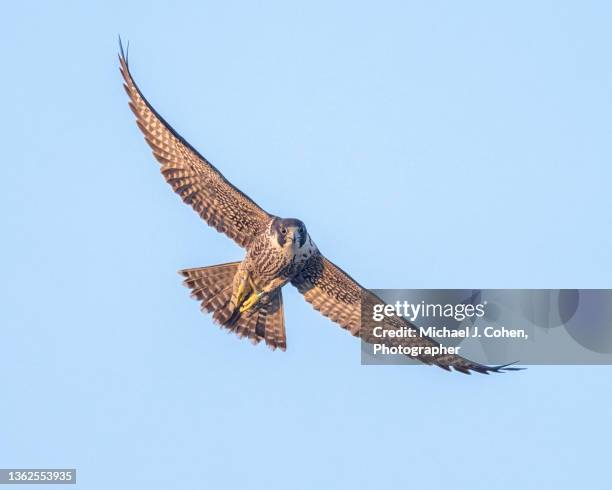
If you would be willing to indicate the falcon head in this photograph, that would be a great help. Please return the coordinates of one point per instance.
(289, 232)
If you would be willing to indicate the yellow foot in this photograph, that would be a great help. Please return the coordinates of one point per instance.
(241, 293)
(250, 302)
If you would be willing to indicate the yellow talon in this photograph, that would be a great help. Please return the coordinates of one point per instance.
(240, 294)
(250, 302)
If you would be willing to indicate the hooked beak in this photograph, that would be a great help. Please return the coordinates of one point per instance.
(293, 238)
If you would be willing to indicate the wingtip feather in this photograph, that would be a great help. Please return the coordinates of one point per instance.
(123, 54)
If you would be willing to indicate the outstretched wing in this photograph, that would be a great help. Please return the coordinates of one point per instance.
(192, 177)
(336, 295)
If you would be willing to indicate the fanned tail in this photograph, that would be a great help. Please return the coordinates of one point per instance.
(213, 287)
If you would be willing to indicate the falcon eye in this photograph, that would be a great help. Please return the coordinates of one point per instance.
(284, 231)
(301, 230)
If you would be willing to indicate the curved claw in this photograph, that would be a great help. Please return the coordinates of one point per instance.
(250, 302)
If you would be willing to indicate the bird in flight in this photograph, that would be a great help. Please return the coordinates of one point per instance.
(245, 297)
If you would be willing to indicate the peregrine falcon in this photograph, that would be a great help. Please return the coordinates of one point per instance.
(245, 297)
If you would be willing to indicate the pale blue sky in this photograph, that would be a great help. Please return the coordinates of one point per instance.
(435, 145)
